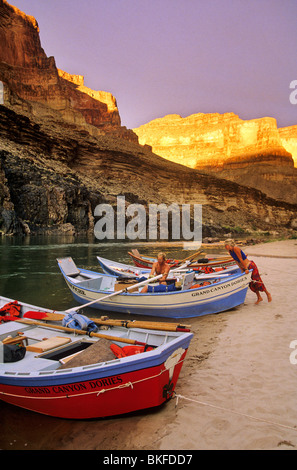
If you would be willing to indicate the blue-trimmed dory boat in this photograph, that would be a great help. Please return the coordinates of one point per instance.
(123, 270)
(37, 371)
(190, 300)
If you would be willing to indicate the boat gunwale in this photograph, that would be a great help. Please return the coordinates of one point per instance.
(132, 363)
(143, 294)
(152, 260)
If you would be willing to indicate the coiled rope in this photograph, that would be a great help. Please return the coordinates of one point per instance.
(94, 392)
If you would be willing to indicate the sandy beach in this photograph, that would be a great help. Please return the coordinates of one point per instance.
(237, 389)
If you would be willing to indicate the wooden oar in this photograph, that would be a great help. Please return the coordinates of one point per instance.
(134, 286)
(48, 316)
(81, 332)
(189, 258)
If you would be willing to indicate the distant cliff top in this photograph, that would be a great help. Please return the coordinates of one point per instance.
(213, 140)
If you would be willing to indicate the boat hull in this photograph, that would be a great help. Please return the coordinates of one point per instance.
(96, 397)
(120, 269)
(114, 387)
(219, 297)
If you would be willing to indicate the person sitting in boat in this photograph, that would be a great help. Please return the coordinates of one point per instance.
(159, 267)
(256, 285)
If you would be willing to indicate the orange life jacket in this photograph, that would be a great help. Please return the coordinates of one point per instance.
(128, 350)
(202, 284)
(10, 311)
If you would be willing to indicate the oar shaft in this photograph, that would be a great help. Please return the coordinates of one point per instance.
(115, 293)
(164, 326)
(79, 332)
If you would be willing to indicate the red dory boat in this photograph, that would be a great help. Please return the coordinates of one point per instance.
(37, 369)
(205, 265)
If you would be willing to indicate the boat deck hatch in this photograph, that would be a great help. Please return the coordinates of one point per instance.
(67, 350)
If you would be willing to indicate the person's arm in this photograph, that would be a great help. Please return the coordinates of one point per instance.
(241, 262)
(153, 270)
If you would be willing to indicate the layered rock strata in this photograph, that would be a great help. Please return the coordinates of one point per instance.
(288, 138)
(52, 178)
(63, 151)
(32, 79)
(253, 153)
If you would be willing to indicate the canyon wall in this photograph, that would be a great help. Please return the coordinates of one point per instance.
(52, 179)
(254, 153)
(33, 82)
(63, 151)
(288, 138)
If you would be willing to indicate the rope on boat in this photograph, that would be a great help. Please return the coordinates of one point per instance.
(273, 423)
(125, 385)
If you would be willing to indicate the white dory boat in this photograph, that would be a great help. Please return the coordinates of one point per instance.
(190, 299)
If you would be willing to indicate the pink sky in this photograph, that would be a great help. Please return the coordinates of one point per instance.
(161, 57)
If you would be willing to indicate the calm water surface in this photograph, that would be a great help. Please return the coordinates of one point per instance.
(29, 271)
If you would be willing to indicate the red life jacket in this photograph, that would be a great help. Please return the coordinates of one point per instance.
(10, 311)
(128, 350)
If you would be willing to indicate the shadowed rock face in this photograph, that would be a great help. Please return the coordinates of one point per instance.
(254, 153)
(53, 177)
(63, 152)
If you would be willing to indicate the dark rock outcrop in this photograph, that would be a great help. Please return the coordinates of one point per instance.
(52, 177)
(63, 151)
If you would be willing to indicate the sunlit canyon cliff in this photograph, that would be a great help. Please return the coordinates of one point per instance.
(254, 153)
(64, 150)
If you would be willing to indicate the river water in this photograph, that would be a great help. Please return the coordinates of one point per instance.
(29, 271)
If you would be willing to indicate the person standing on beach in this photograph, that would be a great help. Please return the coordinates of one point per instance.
(256, 285)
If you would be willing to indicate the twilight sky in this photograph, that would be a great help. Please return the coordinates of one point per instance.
(161, 57)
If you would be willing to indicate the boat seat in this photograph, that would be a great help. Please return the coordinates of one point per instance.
(188, 280)
(48, 344)
(94, 283)
(68, 266)
(15, 340)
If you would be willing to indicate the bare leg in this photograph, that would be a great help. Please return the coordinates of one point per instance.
(269, 298)
(259, 298)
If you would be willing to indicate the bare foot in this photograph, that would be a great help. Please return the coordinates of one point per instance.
(258, 300)
(269, 298)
